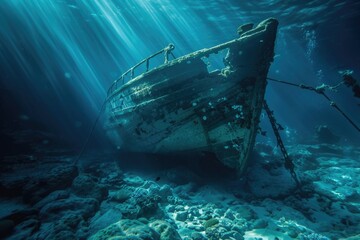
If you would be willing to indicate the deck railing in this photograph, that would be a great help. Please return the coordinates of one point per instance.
(167, 51)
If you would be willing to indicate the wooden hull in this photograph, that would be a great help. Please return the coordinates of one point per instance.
(181, 107)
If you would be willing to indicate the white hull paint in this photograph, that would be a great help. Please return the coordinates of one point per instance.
(181, 107)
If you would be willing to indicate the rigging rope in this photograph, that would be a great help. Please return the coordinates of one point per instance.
(321, 90)
(289, 165)
(90, 133)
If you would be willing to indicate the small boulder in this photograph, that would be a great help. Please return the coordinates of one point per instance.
(25, 229)
(86, 186)
(84, 207)
(165, 230)
(56, 195)
(181, 216)
(121, 195)
(126, 229)
(58, 178)
(101, 221)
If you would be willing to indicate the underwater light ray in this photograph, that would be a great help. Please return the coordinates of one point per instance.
(86, 79)
(105, 36)
(73, 50)
(117, 23)
(18, 45)
(47, 35)
(170, 18)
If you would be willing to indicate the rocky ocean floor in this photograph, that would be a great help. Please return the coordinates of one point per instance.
(46, 197)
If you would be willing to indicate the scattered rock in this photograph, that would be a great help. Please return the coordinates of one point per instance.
(141, 209)
(71, 221)
(197, 236)
(85, 186)
(313, 236)
(292, 233)
(266, 234)
(25, 229)
(134, 181)
(243, 211)
(62, 235)
(112, 231)
(129, 210)
(260, 223)
(56, 195)
(59, 178)
(211, 222)
(113, 179)
(165, 192)
(165, 230)
(131, 229)
(171, 208)
(233, 235)
(147, 202)
(84, 207)
(121, 195)
(181, 216)
(215, 232)
(101, 221)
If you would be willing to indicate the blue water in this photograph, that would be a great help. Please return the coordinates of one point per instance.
(59, 57)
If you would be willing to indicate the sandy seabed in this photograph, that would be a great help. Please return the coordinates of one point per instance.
(49, 198)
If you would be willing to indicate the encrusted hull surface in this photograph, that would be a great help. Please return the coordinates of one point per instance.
(181, 107)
